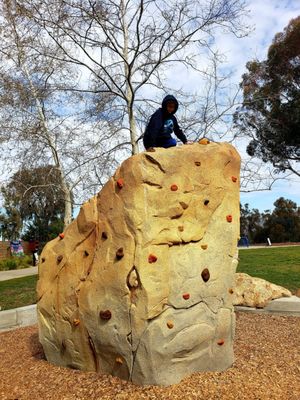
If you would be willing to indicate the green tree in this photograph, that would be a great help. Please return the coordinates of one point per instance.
(270, 113)
(34, 200)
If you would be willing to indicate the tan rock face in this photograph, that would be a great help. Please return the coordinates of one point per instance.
(256, 292)
(139, 285)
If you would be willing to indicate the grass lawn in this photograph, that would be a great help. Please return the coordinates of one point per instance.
(17, 292)
(280, 265)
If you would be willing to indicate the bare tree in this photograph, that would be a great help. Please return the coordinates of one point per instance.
(40, 121)
(127, 45)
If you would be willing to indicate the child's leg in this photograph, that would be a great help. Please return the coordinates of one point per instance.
(169, 143)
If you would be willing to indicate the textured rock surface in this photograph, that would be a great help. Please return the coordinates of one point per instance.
(140, 284)
(256, 292)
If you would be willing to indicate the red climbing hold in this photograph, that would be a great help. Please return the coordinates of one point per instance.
(174, 187)
(229, 218)
(120, 183)
(221, 342)
(152, 258)
(61, 235)
(186, 296)
(234, 178)
(105, 315)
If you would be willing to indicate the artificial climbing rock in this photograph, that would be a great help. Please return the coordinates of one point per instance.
(147, 270)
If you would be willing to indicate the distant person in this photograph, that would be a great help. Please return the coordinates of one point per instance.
(162, 124)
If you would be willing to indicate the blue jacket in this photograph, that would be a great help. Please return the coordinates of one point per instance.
(161, 125)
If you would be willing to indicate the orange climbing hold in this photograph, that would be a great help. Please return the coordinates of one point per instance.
(152, 258)
(229, 218)
(204, 246)
(174, 187)
(181, 228)
(221, 342)
(61, 235)
(76, 322)
(234, 178)
(186, 296)
(170, 324)
(120, 183)
(198, 163)
(119, 360)
(204, 141)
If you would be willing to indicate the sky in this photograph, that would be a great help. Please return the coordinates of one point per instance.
(267, 18)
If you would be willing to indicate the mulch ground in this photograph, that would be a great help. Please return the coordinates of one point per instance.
(267, 366)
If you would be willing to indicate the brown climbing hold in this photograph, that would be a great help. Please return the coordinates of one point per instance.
(234, 178)
(204, 141)
(174, 187)
(205, 275)
(105, 315)
(183, 205)
(104, 235)
(61, 235)
(170, 324)
(120, 253)
(221, 342)
(229, 218)
(59, 258)
(204, 246)
(206, 202)
(186, 296)
(76, 322)
(119, 360)
(152, 258)
(86, 253)
(43, 259)
(120, 183)
(230, 291)
(181, 228)
(198, 163)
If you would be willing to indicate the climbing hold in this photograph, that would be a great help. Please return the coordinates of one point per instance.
(204, 246)
(183, 205)
(120, 253)
(234, 178)
(119, 360)
(221, 342)
(186, 296)
(132, 279)
(198, 163)
(174, 187)
(206, 202)
(76, 322)
(152, 258)
(229, 218)
(105, 315)
(43, 259)
(204, 141)
(104, 235)
(59, 258)
(230, 291)
(170, 324)
(181, 228)
(205, 275)
(120, 183)
(61, 235)
(86, 253)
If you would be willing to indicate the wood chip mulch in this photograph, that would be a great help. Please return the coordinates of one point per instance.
(267, 366)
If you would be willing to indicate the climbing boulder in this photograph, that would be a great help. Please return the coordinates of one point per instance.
(140, 283)
(250, 291)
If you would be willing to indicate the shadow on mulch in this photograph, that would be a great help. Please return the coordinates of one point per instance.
(35, 347)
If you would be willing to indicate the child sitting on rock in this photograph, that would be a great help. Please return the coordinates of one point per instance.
(162, 124)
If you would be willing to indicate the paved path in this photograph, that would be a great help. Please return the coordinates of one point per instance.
(267, 247)
(17, 273)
